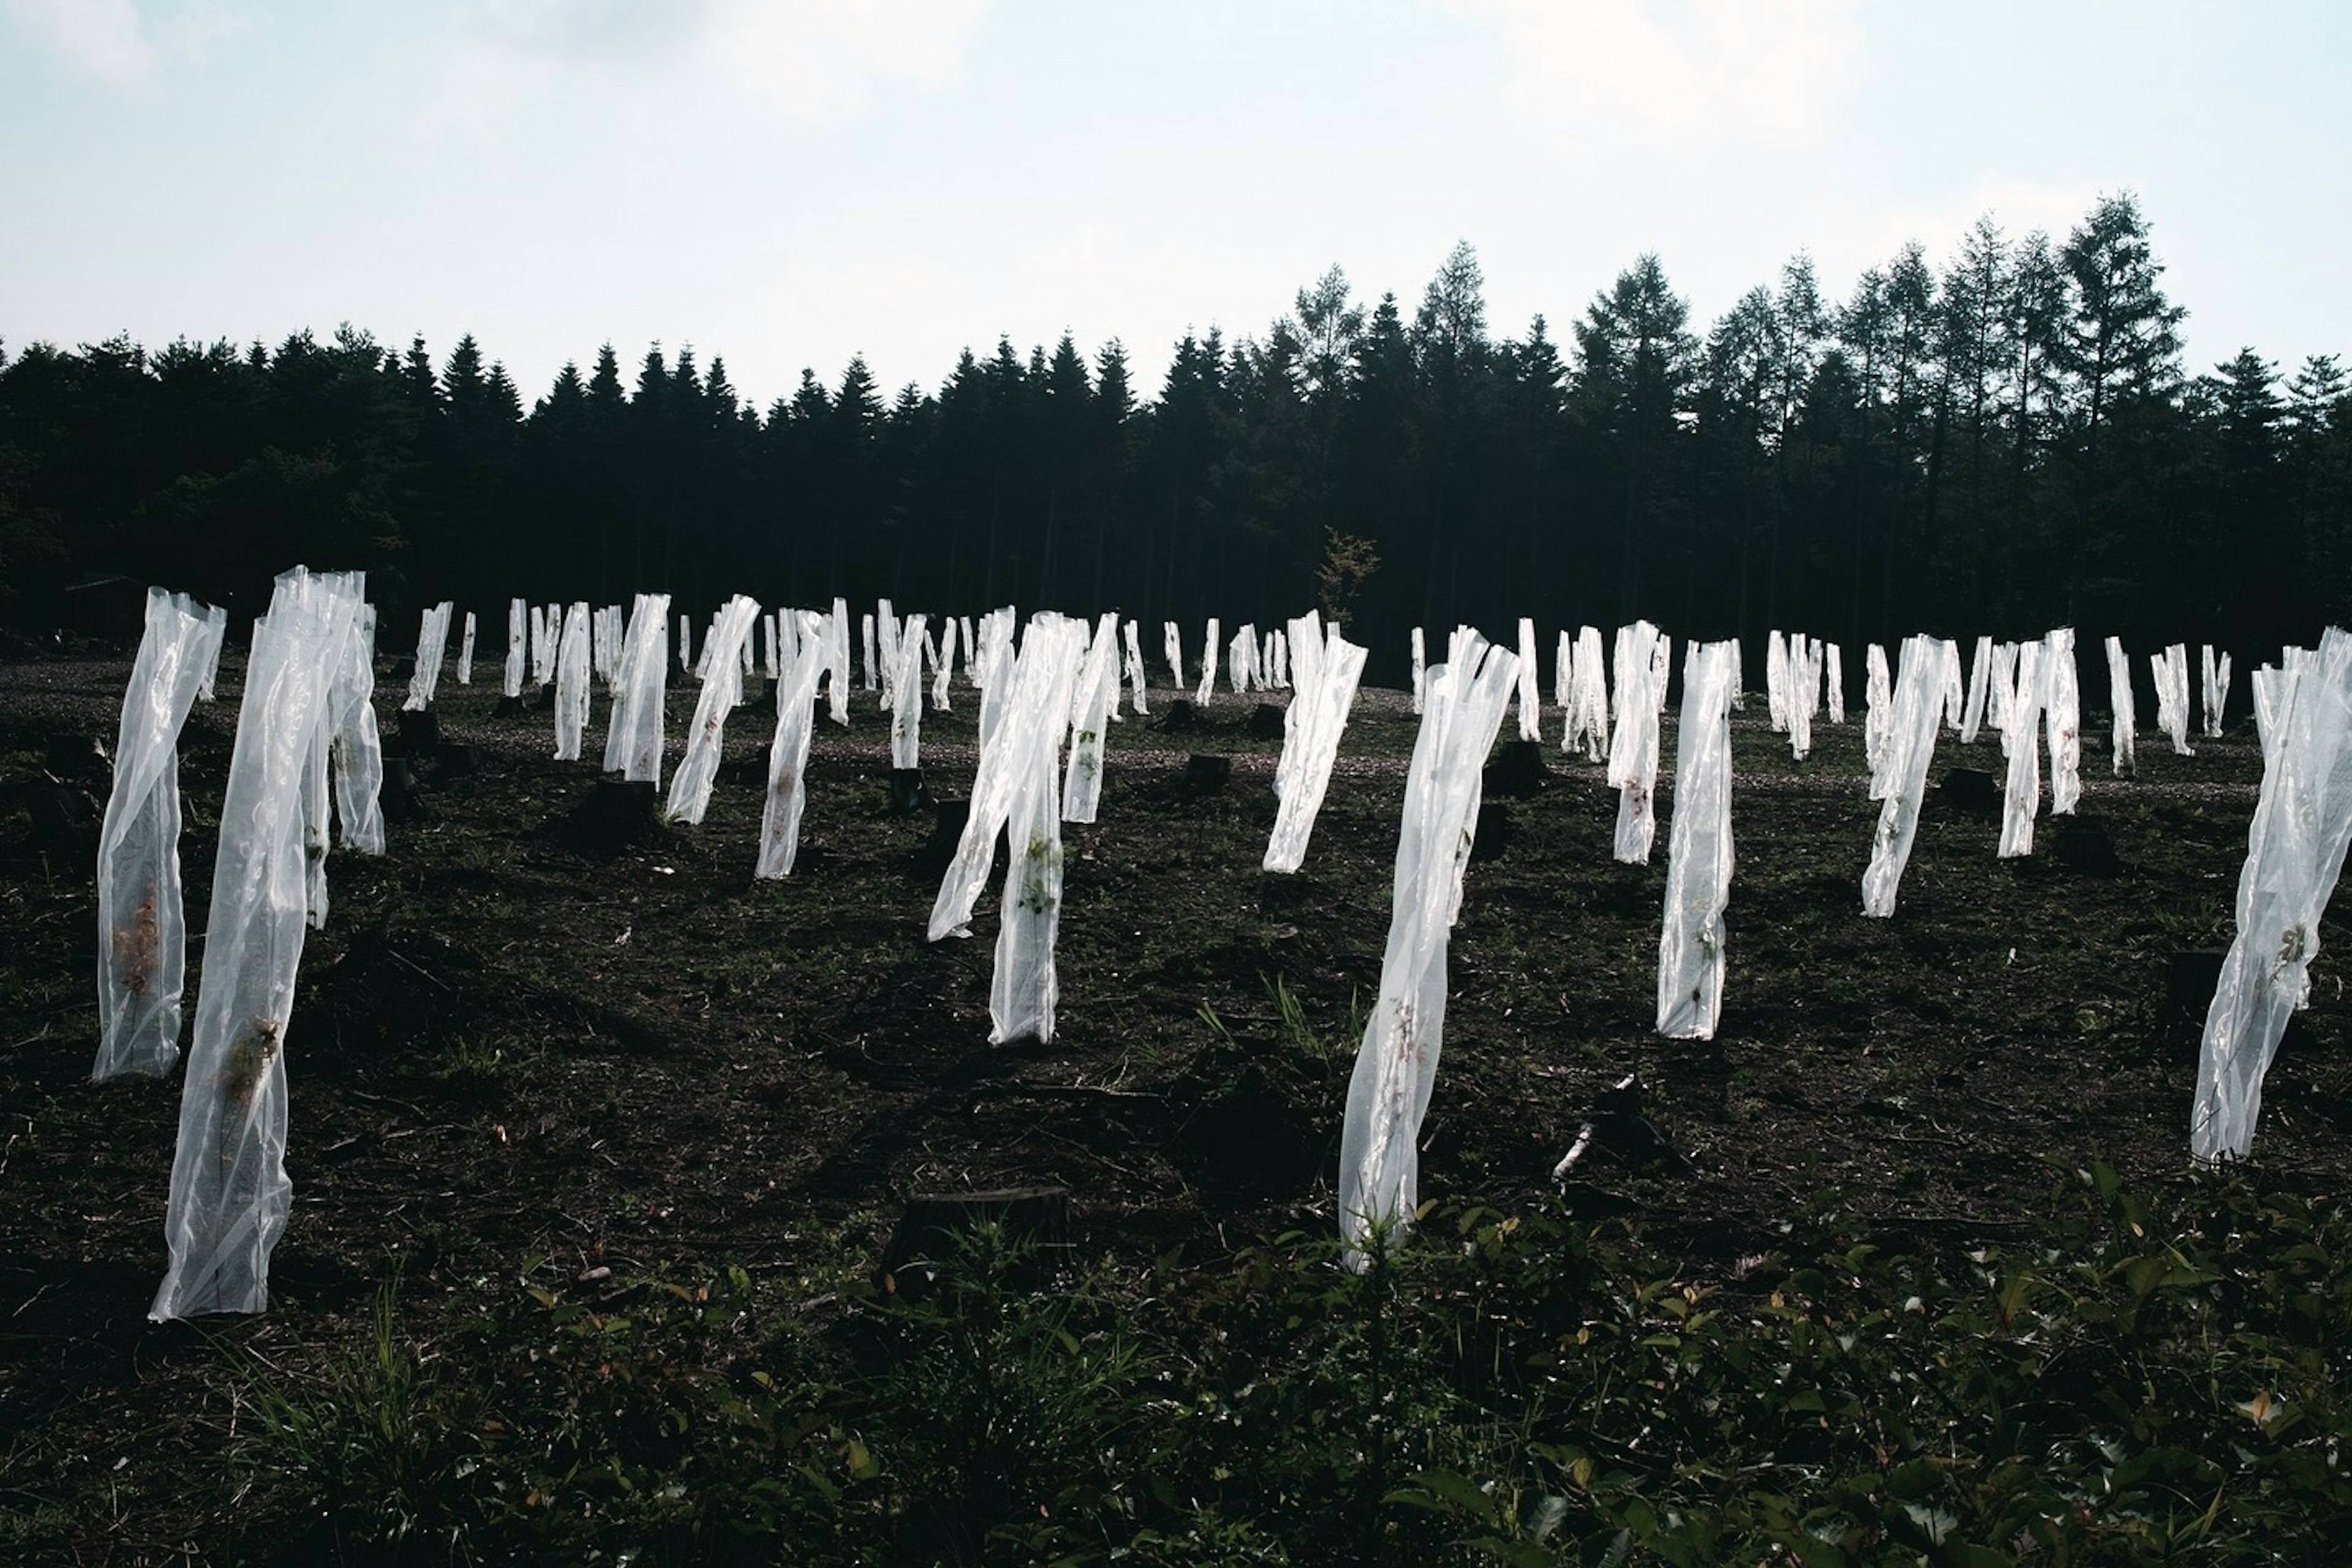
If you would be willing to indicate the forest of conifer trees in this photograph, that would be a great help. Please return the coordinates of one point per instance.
(2009, 442)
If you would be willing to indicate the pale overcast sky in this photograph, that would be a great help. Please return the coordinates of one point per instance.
(789, 182)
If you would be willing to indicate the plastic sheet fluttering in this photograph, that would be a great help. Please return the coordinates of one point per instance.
(2062, 714)
(1633, 746)
(865, 635)
(1209, 651)
(2170, 669)
(632, 746)
(705, 739)
(1833, 682)
(1094, 693)
(466, 653)
(2120, 701)
(1013, 704)
(1698, 849)
(1531, 699)
(885, 635)
(902, 687)
(1588, 699)
(2022, 796)
(1464, 700)
(1929, 664)
(1135, 676)
(518, 625)
(2216, 693)
(432, 646)
(1240, 659)
(837, 676)
(1325, 670)
(1878, 696)
(2294, 853)
(802, 664)
(1022, 988)
(1171, 648)
(1972, 709)
(571, 684)
(142, 932)
(943, 664)
(1420, 668)
(1802, 684)
(1776, 680)
(229, 1192)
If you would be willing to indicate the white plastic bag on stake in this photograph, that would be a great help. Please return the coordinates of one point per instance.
(1563, 682)
(1012, 705)
(1238, 655)
(1388, 1094)
(690, 787)
(1799, 682)
(904, 684)
(686, 645)
(1587, 704)
(572, 675)
(1530, 698)
(885, 644)
(837, 680)
(866, 630)
(1918, 710)
(1209, 650)
(1833, 682)
(466, 653)
(2214, 689)
(633, 747)
(943, 663)
(1698, 849)
(1633, 747)
(511, 686)
(2021, 798)
(2120, 701)
(2294, 853)
(1972, 711)
(432, 645)
(779, 818)
(970, 647)
(1134, 638)
(1172, 645)
(142, 931)
(1022, 989)
(1776, 678)
(1419, 664)
(229, 1194)
(2001, 696)
(356, 743)
(1878, 692)
(1093, 690)
(2062, 713)
(1325, 671)
(2171, 669)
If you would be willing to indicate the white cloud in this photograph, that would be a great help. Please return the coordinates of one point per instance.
(1682, 77)
(103, 39)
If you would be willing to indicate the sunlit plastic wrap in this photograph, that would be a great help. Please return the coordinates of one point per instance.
(1209, 651)
(142, 931)
(466, 653)
(2120, 702)
(1563, 677)
(836, 675)
(1972, 709)
(572, 676)
(510, 682)
(1698, 849)
(1833, 682)
(432, 646)
(1093, 693)
(2002, 694)
(2216, 689)
(1530, 698)
(1171, 647)
(1588, 699)
(1878, 694)
(2062, 714)
(1013, 704)
(943, 659)
(1240, 658)
(229, 1192)
(1633, 747)
(706, 741)
(2021, 797)
(2172, 669)
(1420, 668)
(1776, 678)
(2294, 853)
(1917, 717)
(801, 666)
(902, 685)
(1380, 1163)
(355, 744)
(1801, 681)
(633, 745)
(1022, 989)
(1325, 670)
(1135, 677)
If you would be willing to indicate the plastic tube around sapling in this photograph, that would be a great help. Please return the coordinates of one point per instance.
(1698, 850)
(903, 683)
(1135, 676)
(1916, 720)
(356, 745)
(690, 787)
(2062, 714)
(1633, 745)
(2021, 798)
(1327, 671)
(2121, 705)
(787, 798)
(1530, 698)
(1209, 651)
(1094, 689)
(572, 675)
(1022, 988)
(1972, 711)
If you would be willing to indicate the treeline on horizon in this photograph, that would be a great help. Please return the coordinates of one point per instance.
(2006, 444)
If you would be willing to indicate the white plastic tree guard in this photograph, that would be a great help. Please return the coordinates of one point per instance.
(2062, 714)
(355, 745)
(517, 622)
(865, 635)
(1022, 989)
(690, 787)
(432, 646)
(229, 1192)
(1380, 1165)
(2022, 799)
(1240, 657)
(1973, 707)
(1563, 679)
(837, 679)
(1171, 647)
(1530, 701)
(1209, 648)
(1633, 747)
(1918, 710)
(780, 817)
(1420, 668)
(902, 684)
(2216, 689)
(1016, 685)
(970, 647)
(142, 929)
(943, 664)
(2119, 700)
(1801, 679)
(1698, 849)
(2002, 694)
(2294, 853)
(633, 747)
(2172, 669)
(1134, 637)
(1093, 693)
(886, 642)
(1588, 699)
(1878, 692)
(1776, 678)
(1833, 682)
(466, 653)
(571, 684)
(1325, 672)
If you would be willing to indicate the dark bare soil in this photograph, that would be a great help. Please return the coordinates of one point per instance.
(515, 1044)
